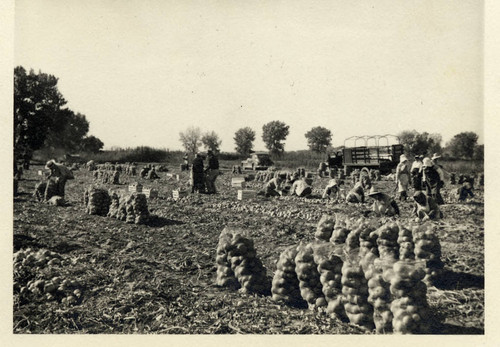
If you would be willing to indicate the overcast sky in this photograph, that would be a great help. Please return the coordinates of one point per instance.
(143, 71)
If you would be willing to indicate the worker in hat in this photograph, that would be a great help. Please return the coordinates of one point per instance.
(403, 177)
(59, 174)
(332, 189)
(416, 173)
(383, 205)
(211, 172)
(275, 186)
(197, 174)
(301, 187)
(356, 194)
(426, 207)
(431, 180)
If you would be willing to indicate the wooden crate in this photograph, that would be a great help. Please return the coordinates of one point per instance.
(238, 182)
(150, 193)
(245, 194)
(177, 194)
(135, 188)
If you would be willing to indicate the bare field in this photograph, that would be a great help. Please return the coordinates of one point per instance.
(160, 278)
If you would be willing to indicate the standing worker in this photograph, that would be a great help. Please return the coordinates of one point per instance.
(197, 175)
(59, 174)
(416, 173)
(442, 175)
(430, 180)
(212, 172)
(403, 177)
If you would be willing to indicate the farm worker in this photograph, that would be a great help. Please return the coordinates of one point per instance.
(356, 194)
(152, 175)
(274, 186)
(59, 174)
(197, 174)
(453, 178)
(211, 172)
(322, 168)
(416, 173)
(185, 162)
(366, 183)
(403, 177)
(302, 187)
(430, 180)
(332, 188)
(355, 176)
(465, 190)
(383, 205)
(145, 170)
(426, 206)
(443, 174)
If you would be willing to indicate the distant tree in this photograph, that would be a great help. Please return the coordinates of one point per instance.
(273, 133)
(211, 141)
(244, 139)
(91, 144)
(462, 145)
(319, 139)
(37, 101)
(191, 139)
(420, 143)
(479, 152)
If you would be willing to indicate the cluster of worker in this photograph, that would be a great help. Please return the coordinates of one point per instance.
(425, 176)
(203, 176)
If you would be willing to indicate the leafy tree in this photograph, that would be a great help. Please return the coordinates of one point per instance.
(273, 133)
(68, 130)
(191, 139)
(420, 143)
(91, 144)
(479, 152)
(462, 145)
(40, 121)
(211, 141)
(244, 139)
(37, 102)
(318, 139)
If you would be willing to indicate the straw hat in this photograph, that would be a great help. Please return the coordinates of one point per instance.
(50, 164)
(435, 156)
(427, 162)
(402, 158)
(374, 192)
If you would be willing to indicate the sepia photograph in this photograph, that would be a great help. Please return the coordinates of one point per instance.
(304, 168)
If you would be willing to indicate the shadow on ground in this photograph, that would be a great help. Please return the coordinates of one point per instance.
(450, 280)
(451, 329)
(24, 241)
(158, 222)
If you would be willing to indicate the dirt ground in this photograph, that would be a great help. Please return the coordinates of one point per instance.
(160, 278)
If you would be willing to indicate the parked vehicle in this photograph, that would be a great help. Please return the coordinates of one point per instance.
(380, 155)
(257, 161)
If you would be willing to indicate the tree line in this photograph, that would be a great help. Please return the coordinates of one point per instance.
(41, 119)
(319, 140)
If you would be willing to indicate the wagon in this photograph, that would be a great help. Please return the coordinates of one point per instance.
(379, 152)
